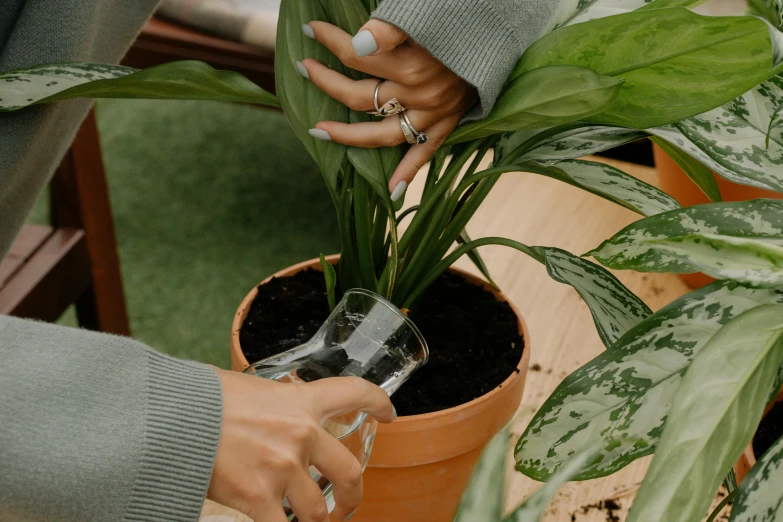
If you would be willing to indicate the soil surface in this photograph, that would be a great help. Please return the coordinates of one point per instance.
(473, 339)
(770, 430)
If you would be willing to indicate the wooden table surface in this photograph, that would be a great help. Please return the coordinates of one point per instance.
(540, 211)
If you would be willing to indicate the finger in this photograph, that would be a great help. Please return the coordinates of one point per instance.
(357, 95)
(390, 66)
(419, 155)
(340, 466)
(341, 395)
(307, 499)
(377, 37)
(268, 511)
(385, 133)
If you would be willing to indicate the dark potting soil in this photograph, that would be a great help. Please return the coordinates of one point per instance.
(770, 430)
(473, 339)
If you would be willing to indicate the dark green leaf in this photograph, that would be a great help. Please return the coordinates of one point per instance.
(695, 170)
(331, 281)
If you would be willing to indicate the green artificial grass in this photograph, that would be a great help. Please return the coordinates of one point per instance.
(208, 200)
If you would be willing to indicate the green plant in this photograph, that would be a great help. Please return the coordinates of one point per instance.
(688, 382)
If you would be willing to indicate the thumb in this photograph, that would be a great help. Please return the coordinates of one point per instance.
(377, 37)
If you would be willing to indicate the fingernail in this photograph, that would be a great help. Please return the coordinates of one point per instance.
(394, 410)
(364, 43)
(308, 31)
(301, 69)
(349, 516)
(399, 190)
(320, 134)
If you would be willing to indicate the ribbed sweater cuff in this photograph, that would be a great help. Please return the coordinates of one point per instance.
(183, 419)
(470, 37)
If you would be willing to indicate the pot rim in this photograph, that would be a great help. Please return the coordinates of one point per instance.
(402, 421)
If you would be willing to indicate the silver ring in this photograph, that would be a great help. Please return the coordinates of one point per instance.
(390, 108)
(412, 136)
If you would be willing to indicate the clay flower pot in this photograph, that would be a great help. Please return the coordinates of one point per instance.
(676, 183)
(420, 464)
(748, 458)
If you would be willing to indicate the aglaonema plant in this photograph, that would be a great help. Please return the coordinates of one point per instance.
(688, 382)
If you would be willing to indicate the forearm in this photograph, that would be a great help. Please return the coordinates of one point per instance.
(98, 427)
(480, 40)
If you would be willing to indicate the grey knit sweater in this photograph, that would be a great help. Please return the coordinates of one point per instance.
(102, 428)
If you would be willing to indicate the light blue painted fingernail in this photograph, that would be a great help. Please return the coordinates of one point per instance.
(308, 31)
(301, 69)
(364, 44)
(320, 134)
(399, 190)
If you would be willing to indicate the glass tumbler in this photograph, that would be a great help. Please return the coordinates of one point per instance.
(365, 336)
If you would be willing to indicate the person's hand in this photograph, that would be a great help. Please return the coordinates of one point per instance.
(272, 433)
(436, 98)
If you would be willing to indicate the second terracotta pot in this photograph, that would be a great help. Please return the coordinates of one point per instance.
(748, 458)
(421, 464)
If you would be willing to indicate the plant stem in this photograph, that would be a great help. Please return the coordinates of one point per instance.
(722, 505)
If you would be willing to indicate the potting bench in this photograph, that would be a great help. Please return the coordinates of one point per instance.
(541, 211)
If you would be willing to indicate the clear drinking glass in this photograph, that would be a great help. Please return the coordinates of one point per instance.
(365, 336)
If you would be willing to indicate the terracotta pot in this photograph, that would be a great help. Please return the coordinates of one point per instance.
(748, 459)
(676, 183)
(421, 464)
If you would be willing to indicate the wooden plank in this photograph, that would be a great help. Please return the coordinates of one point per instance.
(540, 211)
(26, 243)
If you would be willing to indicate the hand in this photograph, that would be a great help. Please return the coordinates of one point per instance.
(271, 435)
(436, 98)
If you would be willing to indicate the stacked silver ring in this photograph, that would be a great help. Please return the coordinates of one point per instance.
(394, 107)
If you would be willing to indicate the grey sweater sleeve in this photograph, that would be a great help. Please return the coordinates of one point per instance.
(480, 40)
(96, 427)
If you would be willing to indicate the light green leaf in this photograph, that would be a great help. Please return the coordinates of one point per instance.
(622, 397)
(189, 80)
(712, 418)
(303, 103)
(760, 497)
(631, 248)
(741, 141)
(482, 501)
(609, 183)
(533, 508)
(694, 169)
(331, 281)
(543, 97)
(570, 12)
(753, 261)
(550, 145)
(675, 63)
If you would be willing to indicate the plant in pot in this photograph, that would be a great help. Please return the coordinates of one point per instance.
(566, 98)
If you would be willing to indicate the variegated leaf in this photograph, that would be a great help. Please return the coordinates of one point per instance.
(693, 168)
(712, 418)
(760, 497)
(631, 248)
(622, 397)
(571, 12)
(547, 146)
(533, 508)
(756, 262)
(609, 183)
(741, 141)
(188, 80)
(482, 501)
(615, 309)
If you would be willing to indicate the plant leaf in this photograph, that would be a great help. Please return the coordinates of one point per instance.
(741, 141)
(622, 397)
(303, 103)
(570, 12)
(712, 418)
(331, 281)
(748, 260)
(631, 248)
(547, 96)
(533, 508)
(695, 170)
(675, 63)
(760, 497)
(609, 183)
(476, 258)
(482, 501)
(188, 80)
